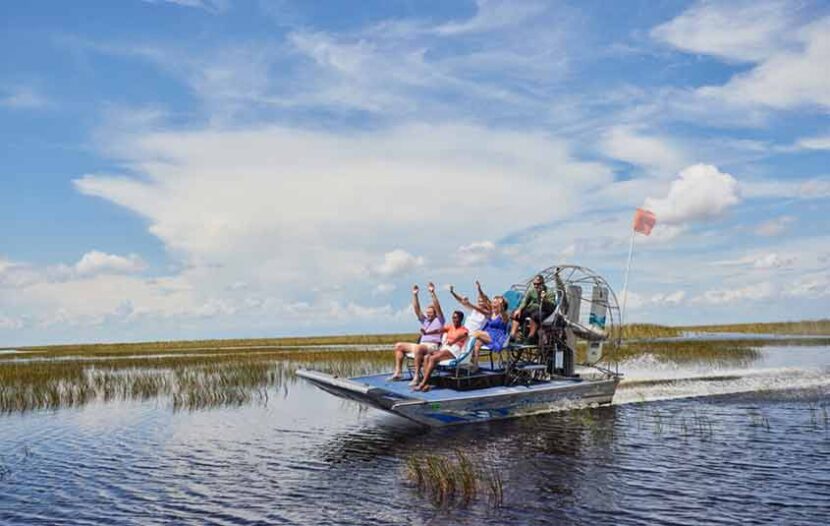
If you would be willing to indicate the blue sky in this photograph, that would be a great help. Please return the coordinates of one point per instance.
(226, 168)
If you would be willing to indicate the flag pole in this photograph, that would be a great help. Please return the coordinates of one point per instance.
(625, 280)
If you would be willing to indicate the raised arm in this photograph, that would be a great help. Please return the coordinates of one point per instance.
(435, 302)
(465, 301)
(458, 298)
(416, 303)
(481, 295)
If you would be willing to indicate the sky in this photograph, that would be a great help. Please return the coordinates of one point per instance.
(175, 169)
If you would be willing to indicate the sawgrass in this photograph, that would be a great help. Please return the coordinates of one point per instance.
(215, 346)
(192, 375)
(648, 330)
(453, 479)
(814, 327)
(188, 382)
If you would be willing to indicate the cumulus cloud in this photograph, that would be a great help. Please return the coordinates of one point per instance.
(699, 193)
(285, 204)
(96, 262)
(398, 262)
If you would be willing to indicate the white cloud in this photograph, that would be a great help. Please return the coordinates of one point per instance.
(789, 56)
(744, 31)
(775, 226)
(23, 98)
(9, 323)
(208, 5)
(493, 14)
(476, 253)
(813, 188)
(762, 261)
(700, 192)
(301, 203)
(755, 292)
(638, 301)
(96, 262)
(398, 262)
(656, 154)
(818, 142)
(382, 289)
(787, 79)
(815, 285)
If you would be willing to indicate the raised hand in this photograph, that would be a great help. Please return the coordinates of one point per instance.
(431, 287)
(415, 289)
(452, 289)
(478, 285)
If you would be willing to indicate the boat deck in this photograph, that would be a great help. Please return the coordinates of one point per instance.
(402, 389)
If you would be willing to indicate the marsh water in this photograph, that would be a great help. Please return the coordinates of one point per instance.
(743, 441)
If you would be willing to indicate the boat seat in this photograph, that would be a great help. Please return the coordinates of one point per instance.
(487, 351)
(459, 363)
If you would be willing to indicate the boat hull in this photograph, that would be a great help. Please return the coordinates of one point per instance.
(452, 408)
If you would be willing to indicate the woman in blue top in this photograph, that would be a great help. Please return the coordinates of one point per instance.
(494, 333)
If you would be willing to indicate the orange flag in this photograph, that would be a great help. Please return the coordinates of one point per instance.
(644, 221)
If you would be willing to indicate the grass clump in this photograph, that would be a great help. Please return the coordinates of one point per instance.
(453, 480)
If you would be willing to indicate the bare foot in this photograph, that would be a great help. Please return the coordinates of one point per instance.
(394, 378)
(425, 388)
(414, 382)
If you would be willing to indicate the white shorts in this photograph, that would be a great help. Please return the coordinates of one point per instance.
(456, 349)
(431, 347)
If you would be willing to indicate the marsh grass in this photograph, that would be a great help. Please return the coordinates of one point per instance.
(647, 330)
(188, 382)
(71, 376)
(807, 327)
(453, 480)
(216, 346)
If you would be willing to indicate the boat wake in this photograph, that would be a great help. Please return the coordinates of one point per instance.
(647, 379)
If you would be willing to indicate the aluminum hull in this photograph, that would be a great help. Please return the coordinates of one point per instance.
(442, 407)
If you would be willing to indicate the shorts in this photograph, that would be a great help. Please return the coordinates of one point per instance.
(431, 347)
(456, 349)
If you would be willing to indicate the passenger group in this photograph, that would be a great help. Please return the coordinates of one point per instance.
(487, 323)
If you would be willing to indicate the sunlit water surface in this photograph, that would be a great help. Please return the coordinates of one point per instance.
(698, 443)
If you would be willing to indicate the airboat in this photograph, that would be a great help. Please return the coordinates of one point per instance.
(560, 371)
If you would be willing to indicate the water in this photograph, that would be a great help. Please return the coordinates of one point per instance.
(713, 444)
